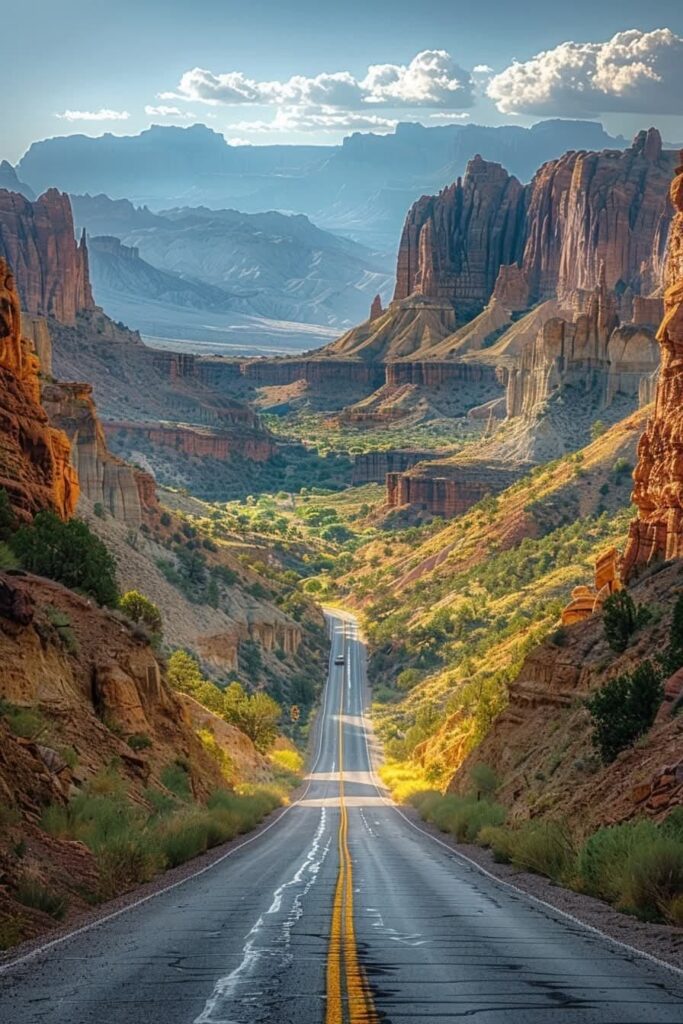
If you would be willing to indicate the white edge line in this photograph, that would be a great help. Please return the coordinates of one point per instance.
(502, 881)
(44, 947)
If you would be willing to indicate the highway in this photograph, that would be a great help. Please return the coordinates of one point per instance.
(341, 912)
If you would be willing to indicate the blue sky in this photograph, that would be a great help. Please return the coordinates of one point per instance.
(304, 71)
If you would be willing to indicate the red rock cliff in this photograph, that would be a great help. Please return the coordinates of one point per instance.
(35, 466)
(454, 244)
(589, 209)
(51, 269)
(657, 533)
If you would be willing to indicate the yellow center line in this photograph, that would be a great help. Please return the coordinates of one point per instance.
(346, 982)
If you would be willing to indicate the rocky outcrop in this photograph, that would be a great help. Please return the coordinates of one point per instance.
(425, 489)
(657, 533)
(454, 244)
(376, 307)
(51, 269)
(198, 442)
(591, 349)
(104, 479)
(435, 373)
(35, 466)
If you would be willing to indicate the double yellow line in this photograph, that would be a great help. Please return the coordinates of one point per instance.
(348, 994)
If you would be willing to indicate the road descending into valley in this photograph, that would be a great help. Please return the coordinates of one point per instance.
(341, 911)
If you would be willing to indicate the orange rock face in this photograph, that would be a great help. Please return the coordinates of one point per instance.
(35, 464)
(657, 533)
(51, 269)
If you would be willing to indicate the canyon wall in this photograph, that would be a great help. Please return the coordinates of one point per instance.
(580, 212)
(592, 349)
(50, 268)
(424, 488)
(104, 479)
(434, 373)
(264, 372)
(197, 442)
(657, 533)
(454, 244)
(587, 210)
(35, 459)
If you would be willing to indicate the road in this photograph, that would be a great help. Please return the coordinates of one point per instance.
(341, 912)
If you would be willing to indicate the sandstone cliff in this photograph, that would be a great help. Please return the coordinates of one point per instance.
(657, 533)
(35, 466)
(454, 244)
(51, 269)
(104, 479)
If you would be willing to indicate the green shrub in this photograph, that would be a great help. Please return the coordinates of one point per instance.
(126, 860)
(32, 893)
(139, 741)
(176, 779)
(499, 840)
(182, 837)
(544, 847)
(140, 609)
(25, 722)
(61, 623)
(654, 877)
(625, 708)
(257, 715)
(604, 856)
(621, 617)
(462, 816)
(69, 553)
(484, 778)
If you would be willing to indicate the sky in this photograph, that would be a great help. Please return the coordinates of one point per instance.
(313, 71)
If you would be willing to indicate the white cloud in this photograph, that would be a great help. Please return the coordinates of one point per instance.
(164, 111)
(482, 69)
(634, 72)
(103, 114)
(316, 119)
(445, 116)
(431, 79)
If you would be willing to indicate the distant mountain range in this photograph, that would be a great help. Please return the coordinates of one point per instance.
(190, 273)
(361, 188)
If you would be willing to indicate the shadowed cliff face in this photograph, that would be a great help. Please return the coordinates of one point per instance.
(657, 533)
(35, 467)
(51, 269)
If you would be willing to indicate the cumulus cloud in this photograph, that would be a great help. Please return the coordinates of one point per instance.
(482, 69)
(431, 79)
(447, 117)
(164, 111)
(634, 72)
(103, 114)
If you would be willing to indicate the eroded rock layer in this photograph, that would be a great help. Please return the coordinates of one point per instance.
(35, 462)
(657, 533)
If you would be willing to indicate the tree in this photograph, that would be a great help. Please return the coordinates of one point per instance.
(625, 708)
(621, 618)
(139, 608)
(184, 674)
(257, 715)
(70, 554)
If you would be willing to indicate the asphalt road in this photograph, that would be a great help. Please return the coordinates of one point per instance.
(340, 912)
